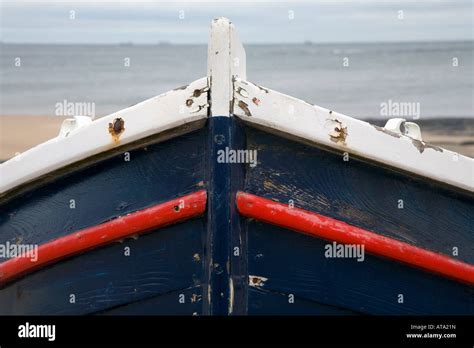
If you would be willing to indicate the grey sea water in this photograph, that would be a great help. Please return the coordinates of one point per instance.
(376, 73)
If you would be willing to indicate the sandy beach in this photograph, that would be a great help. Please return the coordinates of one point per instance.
(19, 133)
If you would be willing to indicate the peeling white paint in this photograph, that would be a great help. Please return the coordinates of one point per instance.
(257, 281)
(231, 295)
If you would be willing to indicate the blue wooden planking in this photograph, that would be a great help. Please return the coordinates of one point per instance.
(160, 262)
(362, 194)
(294, 263)
(165, 304)
(263, 302)
(107, 189)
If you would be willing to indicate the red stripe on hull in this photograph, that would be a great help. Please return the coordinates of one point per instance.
(330, 229)
(160, 215)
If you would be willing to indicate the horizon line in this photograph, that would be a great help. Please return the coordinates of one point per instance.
(170, 43)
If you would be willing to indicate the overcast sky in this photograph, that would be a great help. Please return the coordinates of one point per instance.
(256, 21)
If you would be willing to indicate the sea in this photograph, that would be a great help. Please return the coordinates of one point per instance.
(355, 79)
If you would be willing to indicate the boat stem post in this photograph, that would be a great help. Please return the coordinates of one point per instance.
(225, 61)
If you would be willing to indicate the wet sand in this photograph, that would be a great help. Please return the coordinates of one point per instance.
(19, 133)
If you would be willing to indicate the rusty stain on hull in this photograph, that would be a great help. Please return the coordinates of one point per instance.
(245, 107)
(339, 133)
(116, 128)
(257, 281)
(197, 93)
(196, 298)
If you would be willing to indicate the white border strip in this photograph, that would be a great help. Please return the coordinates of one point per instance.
(280, 112)
(152, 116)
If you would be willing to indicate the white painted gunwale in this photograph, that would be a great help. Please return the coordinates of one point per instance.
(152, 116)
(297, 118)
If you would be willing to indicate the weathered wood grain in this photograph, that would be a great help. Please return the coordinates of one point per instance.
(161, 262)
(362, 194)
(292, 263)
(105, 190)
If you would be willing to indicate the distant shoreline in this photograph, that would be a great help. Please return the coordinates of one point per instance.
(307, 42)
(19, 133)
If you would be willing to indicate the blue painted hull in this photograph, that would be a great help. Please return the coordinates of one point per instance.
(202, 266)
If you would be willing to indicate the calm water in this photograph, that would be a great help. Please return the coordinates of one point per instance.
(414, 72)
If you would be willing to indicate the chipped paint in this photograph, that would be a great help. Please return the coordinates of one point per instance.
(181, 88)
(196, 94)
(231, 296)
(257, 281)
(196, 298)
(421, 146)
(196, 257)
(339, 133)
(256, 101)
(261, 88)
(199, 108)
(243, 92)
(116, 128)
(434, 147)
(245, 107)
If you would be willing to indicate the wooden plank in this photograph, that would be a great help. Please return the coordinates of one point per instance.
(152, 116)
(294, 263)
(368, 196)
(180, 302)
(299, 120)
(158, 263)
(134, 224)
(321, 226)
(264, 302)
(120, 185)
